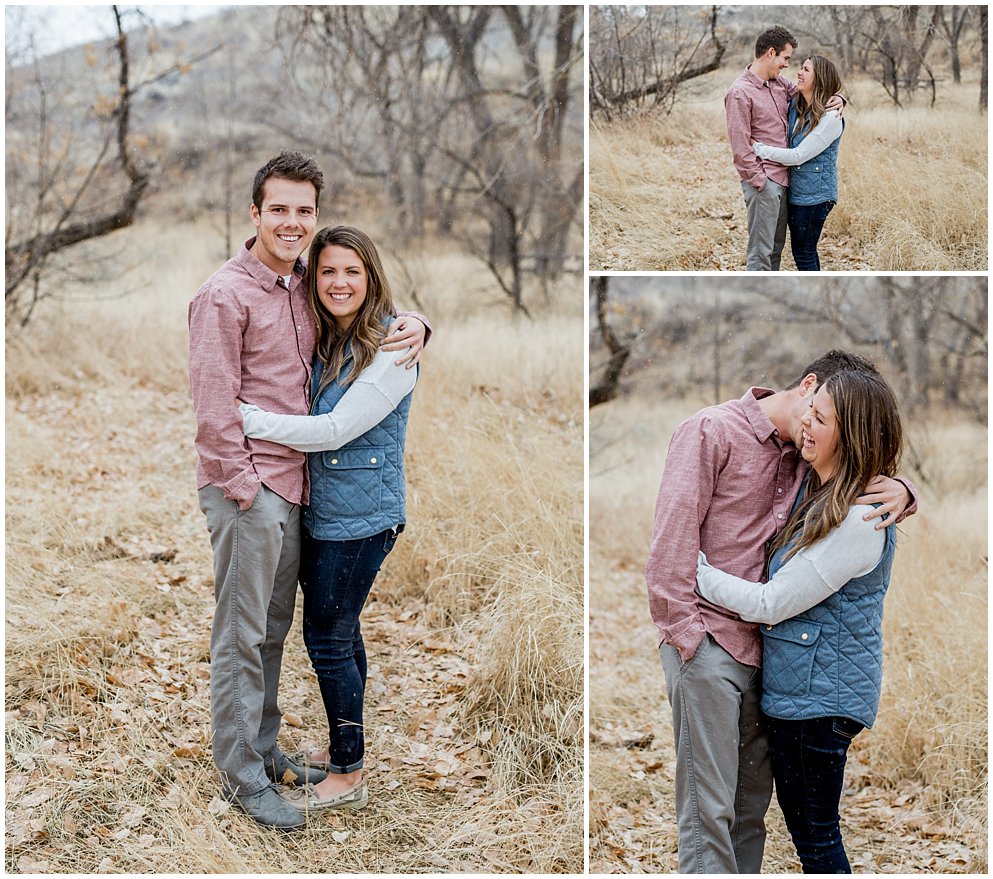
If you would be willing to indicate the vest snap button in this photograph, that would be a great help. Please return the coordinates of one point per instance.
(804, 636)
(372, 460)
(334, 460)
(769, 627)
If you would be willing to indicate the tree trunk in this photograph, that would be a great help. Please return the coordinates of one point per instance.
(984, 42)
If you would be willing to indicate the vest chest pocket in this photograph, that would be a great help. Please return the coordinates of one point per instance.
(353, 482)
(788, 656)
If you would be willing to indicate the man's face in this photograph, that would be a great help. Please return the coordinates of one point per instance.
(286, 222)
(801, 406)
(779, 61)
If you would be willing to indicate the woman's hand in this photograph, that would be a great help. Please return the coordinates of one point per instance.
(891, 493)
(407, 332)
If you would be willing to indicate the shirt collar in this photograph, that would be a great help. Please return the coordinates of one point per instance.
(266, 277)
(759, 421)
(754, 78)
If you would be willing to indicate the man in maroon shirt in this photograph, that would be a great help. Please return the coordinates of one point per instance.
(731, 476)
(756, 106)
(252, 337)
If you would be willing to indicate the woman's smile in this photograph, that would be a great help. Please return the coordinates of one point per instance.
(342, 283)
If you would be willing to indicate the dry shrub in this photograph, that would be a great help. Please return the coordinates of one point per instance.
(933, 714)
(903, 214)
(664, 194)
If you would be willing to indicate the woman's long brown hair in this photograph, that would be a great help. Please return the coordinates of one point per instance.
(870, 442)
(360, 341)
(827, 82)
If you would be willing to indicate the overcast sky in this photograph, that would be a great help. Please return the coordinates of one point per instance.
(57, 27)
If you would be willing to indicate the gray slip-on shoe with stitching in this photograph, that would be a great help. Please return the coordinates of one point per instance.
(268, 808)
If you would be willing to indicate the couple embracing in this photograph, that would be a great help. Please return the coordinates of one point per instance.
(770, 558)
(301, 374)
(784, 140)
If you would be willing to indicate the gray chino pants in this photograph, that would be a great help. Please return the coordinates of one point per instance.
(723, 775)
(767, 213)
(256, 561)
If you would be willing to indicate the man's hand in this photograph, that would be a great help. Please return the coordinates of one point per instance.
(893, 496)
(407, 332)
(837, 103)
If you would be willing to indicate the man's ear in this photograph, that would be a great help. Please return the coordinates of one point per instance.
(256, 216)
(808, 384)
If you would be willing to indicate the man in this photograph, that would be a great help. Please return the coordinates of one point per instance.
(252, 336)
(757, 109)
(731, 476)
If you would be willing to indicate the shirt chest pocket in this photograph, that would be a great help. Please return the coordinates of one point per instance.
(353, 482)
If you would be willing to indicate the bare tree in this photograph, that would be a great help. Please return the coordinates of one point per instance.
(641, 52)
(984, 43)
(951, 21)
(66, 178)
(74, 173)
(901, 37)
(492, 152)
(620, 350)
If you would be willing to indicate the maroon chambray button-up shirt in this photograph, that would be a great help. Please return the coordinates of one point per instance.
(728, 486)
(758, 109)
(250, 338)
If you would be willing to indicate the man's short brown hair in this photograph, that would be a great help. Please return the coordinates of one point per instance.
(774, 38)
(289, 165)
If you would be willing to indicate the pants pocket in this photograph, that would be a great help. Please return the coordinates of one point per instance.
(846, 728)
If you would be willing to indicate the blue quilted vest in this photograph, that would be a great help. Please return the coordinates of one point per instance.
(828, 661)
(815, 181)
(358, 490)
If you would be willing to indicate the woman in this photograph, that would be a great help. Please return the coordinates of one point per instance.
(813, 134)
(821, 610)
(355, 439)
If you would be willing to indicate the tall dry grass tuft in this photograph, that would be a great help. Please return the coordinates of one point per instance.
(934, 712)
(664, 194)
(109, 599)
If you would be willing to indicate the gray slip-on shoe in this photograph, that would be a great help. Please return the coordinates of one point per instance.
(307, 799)
(281, 769)
(268, 808)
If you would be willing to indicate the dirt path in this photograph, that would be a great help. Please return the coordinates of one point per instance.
(109, 605)
(632, 812)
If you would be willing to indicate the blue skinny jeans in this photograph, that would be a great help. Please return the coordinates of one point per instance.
(336, 576)
(808, 764)
(806, 222)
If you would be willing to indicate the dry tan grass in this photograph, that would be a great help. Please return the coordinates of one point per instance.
(475, 630)
(916, 798)
(912, 188)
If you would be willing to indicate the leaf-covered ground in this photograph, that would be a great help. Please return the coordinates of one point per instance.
(632, 811)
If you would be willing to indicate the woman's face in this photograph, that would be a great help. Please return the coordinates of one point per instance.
(820, 435)
(342, 282)
(805, 79)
